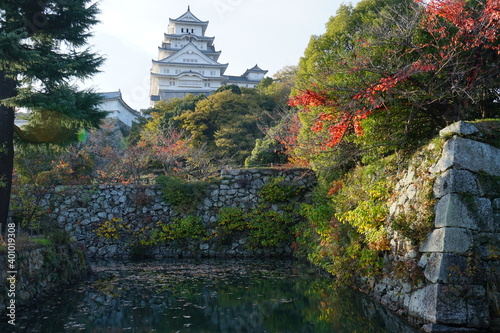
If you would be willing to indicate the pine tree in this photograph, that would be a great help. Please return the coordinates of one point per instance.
(43, 48)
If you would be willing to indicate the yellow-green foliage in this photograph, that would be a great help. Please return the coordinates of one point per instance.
(232, 219)
(415, 219)
(269, 228)
(186, 228)
(264, 227)
(347, 234)
(112, 228)
(362, 201)
(278, 190)
(335, 246)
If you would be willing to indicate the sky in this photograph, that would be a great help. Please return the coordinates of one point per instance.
(269, 33)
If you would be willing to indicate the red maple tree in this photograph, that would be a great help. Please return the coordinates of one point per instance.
(447, 71)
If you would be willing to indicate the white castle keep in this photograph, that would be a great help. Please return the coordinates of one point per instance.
(188, 63)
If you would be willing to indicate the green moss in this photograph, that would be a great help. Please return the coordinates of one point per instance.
(489, 184)
(42, 241)
(490, 131)
(183, 195)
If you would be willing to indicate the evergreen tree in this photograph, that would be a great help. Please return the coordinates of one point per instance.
(43, 46)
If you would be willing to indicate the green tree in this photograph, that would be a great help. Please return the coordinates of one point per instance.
(395, 72)
(226, 123)
(267, 151)
(42, 48)
(232, 87)
(164, 113)
(362, 45)
(273, 148)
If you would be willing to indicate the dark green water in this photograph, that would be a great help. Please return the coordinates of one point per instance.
(208, 296)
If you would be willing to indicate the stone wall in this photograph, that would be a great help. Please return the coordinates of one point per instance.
(82, 209)
(41, 271)
(453, 276)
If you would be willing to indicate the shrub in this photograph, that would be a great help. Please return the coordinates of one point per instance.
(278, 190)
(59, 237)
(112, 228)
(181, 194)
(264, 227)
(269, 228)
(187, 228)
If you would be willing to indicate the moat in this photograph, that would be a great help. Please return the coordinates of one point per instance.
(208, 296)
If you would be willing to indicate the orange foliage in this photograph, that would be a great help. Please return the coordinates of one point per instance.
(289, 141)
(336, 123)
(476, 28)
(309, 98)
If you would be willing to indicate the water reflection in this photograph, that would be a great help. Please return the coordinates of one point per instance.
(209, 296)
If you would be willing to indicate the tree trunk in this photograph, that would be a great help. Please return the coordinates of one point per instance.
(7, 89)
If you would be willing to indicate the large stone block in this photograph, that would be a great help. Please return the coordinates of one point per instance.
(451, 268)
(452, 212)
(441, 304)
(439, 267)
(478, 314)
(465, 154)
(460, 128)
(455, 181)
(450, 239)
(488, 245)
(422, 303)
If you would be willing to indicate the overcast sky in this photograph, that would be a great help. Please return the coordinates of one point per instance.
(270, 33)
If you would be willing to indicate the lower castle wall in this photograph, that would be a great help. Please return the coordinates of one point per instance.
(82, 209)
(40, 272)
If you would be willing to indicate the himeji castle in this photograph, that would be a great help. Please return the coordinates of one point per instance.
(188, 63)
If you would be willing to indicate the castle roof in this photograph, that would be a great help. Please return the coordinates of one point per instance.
(240, 79)
(191, 49)
(189, 18)
(117, 95)
(255, 69)
(184, 36)
(211, 52)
